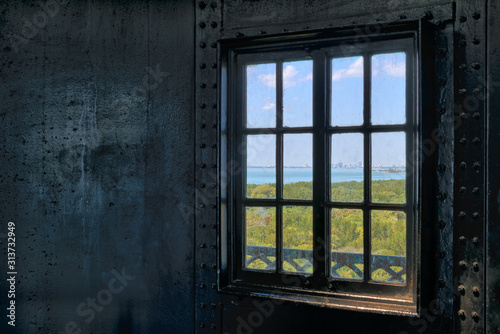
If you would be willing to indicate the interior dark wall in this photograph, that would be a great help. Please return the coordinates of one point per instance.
(96, 160)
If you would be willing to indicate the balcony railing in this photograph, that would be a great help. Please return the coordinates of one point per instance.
(301, 260)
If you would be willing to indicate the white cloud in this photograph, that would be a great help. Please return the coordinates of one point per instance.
(355, 70)
(269, 106)
(289, 78)
(394, 69)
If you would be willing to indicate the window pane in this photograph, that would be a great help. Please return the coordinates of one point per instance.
(297, 93)
(261, 95)
(388, 236)
(347, 91)
(389, 88)
(261, 166)
(297, 162)
(260, 225)
(347, 167)
(388, 167)
(347, 243)
(297, 239)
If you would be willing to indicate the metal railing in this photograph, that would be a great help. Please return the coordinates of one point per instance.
(301, 260)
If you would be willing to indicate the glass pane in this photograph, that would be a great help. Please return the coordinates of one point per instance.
(261, 95)
(347, 91)
(347, 243)
(297, 93)
(261, 166)
(347, 167)
(297, 162)
(388, 236)
(260, 225)
(389, 88)
(389, 167)
(297, 239)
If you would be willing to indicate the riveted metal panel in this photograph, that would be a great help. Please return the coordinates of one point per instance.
(469, 170)
(207, 301)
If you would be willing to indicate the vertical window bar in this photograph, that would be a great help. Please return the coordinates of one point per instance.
(367, 72)
(320, 157)
(279, 165)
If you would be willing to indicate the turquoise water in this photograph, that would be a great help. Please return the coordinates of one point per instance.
(260, 175)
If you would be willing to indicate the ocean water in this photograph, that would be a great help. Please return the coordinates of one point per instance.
(261, 175)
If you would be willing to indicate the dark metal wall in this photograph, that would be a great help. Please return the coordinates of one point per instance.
(109, 161)
(97, 164)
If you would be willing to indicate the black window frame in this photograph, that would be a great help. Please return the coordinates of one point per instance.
(401, 299)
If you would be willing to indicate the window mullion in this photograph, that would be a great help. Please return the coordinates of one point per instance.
(279, 165)
(367, 66)
(320, 234)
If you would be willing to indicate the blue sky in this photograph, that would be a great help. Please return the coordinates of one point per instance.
(388, 107)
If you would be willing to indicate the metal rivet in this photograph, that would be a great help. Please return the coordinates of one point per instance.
(476, 115)
(463, 115)
(331, 286)
(441, 168)
(461, 314)
(203, 225)
(202, 185)
(214, 286)
(213, 4)
(213, 306)
(202, 5)
(475, 190)
(203, 145)
(203, 85)
(441, 224)
(463, 165)
(214, 266)
(214, 165)
(262, 32)
(475, 215)
(203, 24)
(213, 24)
(476, 16)
(462, 214)
(476, 165)
(203, 45)
(213, 246)
(203, 106)
(213, 45)
(214, 226)
(202, 325)
(203, 265)
(463, 19)
(461, 239)
(475, 291)
(463, 42)
(475, 241)
(202, 286)
(475, 316)
(475, 266)
(203, 65)
(203, 245)
(461, 289)
(214, 105)
(476, 66)
(476, 91)
(203, 305)
(462, 91)
(203, 125)
(463, 140)
(214, 145)
(462, 67)
(203, 205)
(214, 126)
(462, 190)
(203, 165)
(214, 206)
(476, 40)
(239, 34)
(476, 140)
(441, 196)
(214, 65)
(214, 85)
(462, 264)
